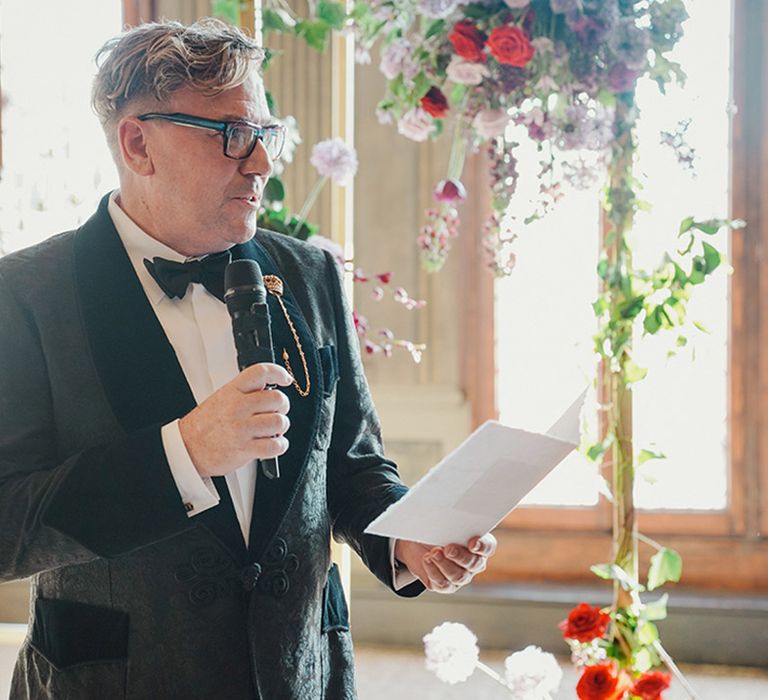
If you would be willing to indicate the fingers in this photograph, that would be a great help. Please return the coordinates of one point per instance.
(464, 558)
(269, 425)
(271, 446)
(267, 401)
(257, 377)
(445, 576)
(485, 545)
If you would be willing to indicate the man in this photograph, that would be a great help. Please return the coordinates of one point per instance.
(165, 564)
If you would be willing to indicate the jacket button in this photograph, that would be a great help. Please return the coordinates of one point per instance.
(249, 576)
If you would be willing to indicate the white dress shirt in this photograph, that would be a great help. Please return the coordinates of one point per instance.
(199, 329)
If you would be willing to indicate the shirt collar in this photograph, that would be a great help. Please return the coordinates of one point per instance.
(140, 246)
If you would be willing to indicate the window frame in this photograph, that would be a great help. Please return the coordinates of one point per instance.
(726, 549)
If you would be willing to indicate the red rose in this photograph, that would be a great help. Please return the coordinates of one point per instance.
(585, 623)
(510, 45)
(435, 103)
(650, 685)
(600, 683)
(468, 41)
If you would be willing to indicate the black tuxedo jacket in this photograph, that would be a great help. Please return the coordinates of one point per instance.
(130, 597)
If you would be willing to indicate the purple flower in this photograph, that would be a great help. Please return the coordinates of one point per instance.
(451, 191)
(621, 78)
(334, 159)
(437, 9)
(630, 44)
(466, 72)
(396, 58)
(586, 126)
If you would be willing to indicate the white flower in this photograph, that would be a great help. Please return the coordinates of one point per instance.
(532, 674)
(292, 138)
(490, 122)
(438, 9)
(415, 124)
(334, 159)
(516, 4)
(395, 58)
(465, 72)
(362, 56)
(451, 651)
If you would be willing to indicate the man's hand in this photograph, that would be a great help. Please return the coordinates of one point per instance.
(240, 422)
(446, 569)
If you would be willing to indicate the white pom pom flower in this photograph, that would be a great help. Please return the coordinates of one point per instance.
(451, 651)
(335, 159)
(532, 674)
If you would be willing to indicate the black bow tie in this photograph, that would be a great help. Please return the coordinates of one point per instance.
(174, 277)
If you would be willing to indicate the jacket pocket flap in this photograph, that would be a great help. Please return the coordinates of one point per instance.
(68, 633)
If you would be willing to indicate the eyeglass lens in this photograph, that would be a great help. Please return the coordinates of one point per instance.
(242, 141)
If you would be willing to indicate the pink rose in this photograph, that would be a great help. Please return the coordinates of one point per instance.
(517, 4)
(466, 72)
(490, 122)
(415, 124)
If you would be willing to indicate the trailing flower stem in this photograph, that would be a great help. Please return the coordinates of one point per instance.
(308, 203)
(676, 672)
(488, 671)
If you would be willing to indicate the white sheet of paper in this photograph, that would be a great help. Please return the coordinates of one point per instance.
(473, 488)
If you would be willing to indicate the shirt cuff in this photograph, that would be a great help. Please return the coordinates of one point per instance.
(401, 574)
(197, 493)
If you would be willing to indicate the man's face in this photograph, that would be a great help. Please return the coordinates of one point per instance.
(199, 200)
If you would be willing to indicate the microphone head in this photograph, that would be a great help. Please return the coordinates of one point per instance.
(244, 277)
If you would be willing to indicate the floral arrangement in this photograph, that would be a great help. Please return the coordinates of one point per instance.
(554, 67)
(452, 655)
(563, 74)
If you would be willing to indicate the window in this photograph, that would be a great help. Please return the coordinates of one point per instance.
(704, 415)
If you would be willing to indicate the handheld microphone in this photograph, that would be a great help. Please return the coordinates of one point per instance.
(246, 300)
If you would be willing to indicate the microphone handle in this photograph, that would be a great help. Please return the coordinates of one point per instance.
(253, 341)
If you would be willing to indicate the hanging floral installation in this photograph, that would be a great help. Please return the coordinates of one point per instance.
(565, 71)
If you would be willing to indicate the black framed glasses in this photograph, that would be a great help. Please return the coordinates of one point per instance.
(240, 136)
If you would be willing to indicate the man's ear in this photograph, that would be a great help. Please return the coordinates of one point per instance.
(134, 150)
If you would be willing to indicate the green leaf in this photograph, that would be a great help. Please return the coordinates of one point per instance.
(602, 269)
(314, 32)
(711, 256)
(228, 10)
(643, 661)
(656, 609)
(274, 191)
(634, 373)
(332, 13)
(652, 321)
(457, 94)
(275, 21)
(435, 28)
(666, 565)
(632, 307)
(614, 572)
(711, 226)
(647, 634)
(685, 225)
(646, 455)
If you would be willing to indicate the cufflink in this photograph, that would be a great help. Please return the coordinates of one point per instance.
(188, 507)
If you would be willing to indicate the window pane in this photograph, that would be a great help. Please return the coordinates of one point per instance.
(545, 324)
(56, 162)
(681, 407)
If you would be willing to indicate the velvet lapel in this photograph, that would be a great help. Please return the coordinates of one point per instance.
(273, 497)
(137, 365)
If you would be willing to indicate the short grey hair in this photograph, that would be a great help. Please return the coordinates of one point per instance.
(151, 61)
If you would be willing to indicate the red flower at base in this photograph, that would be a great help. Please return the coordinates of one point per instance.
(651, 685)
(585, 623)
(468, 41)
(600, 682)
(435, 103)
(510, 45)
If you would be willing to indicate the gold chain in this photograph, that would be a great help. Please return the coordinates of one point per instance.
(275, 286)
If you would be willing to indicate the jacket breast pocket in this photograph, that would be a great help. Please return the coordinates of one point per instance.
(70, 634)
(335, 611)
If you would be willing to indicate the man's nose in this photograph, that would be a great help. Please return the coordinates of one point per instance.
(258, 163)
